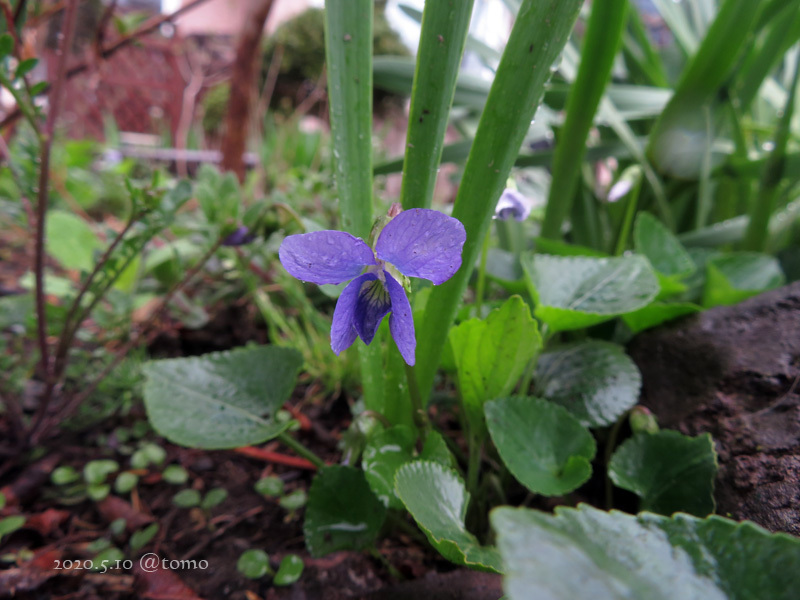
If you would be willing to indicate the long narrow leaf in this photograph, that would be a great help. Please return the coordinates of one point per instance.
(444, 33)
(538, 36)
(603, 38)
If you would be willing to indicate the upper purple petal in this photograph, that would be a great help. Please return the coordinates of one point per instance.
(423, 243)
(343, 331)
(325, 256)
(372, 305)
(401, 323)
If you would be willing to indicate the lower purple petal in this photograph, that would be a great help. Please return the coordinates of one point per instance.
(343, 331)
(401, 323)
(372, 305)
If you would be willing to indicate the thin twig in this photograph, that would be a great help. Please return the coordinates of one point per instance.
(46, 141)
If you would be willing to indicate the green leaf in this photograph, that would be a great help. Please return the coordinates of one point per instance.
(737, 276)
(540, 31)
(441, 46)
(576, 292)
(98, 491)
(661, 247)
(437, 499)
(491, 355)
(384, 453)
(213, 498)
(658, 313)
(64, 475)
(294, 500)
(541, 443)
(25, 67)
(223, 399)
(125, 482)
(602, 40)
(141, 538)
(186, 498)
(595, 381)
(588, 553)
(289, 571)
(669, 471)
(559, 248)
(71, 241)
(6, 44)
(342, 512)
(253, 563)
(269, 486)
(107, 558)
(96, 471)
(175, 474)
(10, 524)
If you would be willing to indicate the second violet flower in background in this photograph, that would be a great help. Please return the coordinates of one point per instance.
(416, 243)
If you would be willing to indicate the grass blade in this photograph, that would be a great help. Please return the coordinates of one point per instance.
(444, 33)
(541, 29)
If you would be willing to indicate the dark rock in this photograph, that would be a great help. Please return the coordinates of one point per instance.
(733, 372)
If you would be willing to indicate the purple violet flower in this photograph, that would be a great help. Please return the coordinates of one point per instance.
(513, 204)
(241, 236)
(415, 243)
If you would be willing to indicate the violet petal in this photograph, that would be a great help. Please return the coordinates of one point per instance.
(423, 243)
(325, 256)
(513, 204)
(401, 323)
(343, 331)
(372, 305)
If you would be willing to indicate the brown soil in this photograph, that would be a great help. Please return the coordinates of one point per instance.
(734, 372)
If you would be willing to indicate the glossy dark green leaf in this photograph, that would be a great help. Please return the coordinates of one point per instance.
(661, 247)
(221, 400)
(588, 553)
(658, 313)
(492, 354)
(437, 499)
(595, 381)
(736, 276)
(541, 443)
(385, 452)
(669, 471)
(576, 292)
(342, 512)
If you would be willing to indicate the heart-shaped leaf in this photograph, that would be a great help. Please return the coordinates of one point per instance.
(588, 553)
(658, 313)
(541, 443)
(437, 499)
(595, 381)
(669, 471)
(576, 292)
(342, 512)
(223, 399)
(736, 276)
(492, 354)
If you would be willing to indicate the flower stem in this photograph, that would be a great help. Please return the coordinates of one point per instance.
(420, 416)
(474, 464)
(480, 289)
(611, 443)
(301, 450)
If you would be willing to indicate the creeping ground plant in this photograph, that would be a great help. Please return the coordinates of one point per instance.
(415, 243)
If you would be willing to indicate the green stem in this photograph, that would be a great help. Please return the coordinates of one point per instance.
(480, 289)
(420, 416)
(300, 449)
(627, 223)
(611, 443)
(474, 464)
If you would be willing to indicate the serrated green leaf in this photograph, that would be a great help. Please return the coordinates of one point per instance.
(223, 399)
(669, 471)
(736, 276)
(658, 313)
(541, 443)
(289, 571)
(437, 499)
(588, 553)
(342, 512)
(595, 381)
(384, 453)
(491, 355)
(576, 292)
(661, 247)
